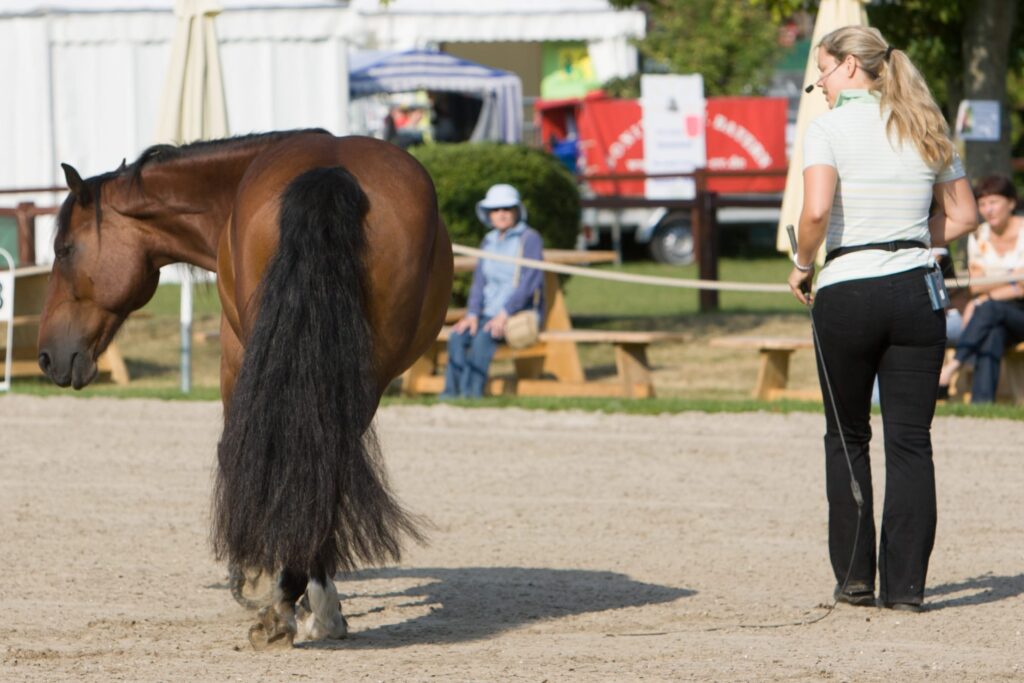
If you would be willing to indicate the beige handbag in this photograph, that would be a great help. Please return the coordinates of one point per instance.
(522, 328)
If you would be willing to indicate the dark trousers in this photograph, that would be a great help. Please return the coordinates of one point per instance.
(994, 325)
(882, 326)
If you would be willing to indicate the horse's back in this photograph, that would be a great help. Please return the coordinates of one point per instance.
(408, 255)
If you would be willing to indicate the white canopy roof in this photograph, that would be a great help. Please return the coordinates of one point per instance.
(404, 24)
(62, 6)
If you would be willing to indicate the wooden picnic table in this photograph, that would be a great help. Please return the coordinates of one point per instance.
(562, 357)
(556, 352)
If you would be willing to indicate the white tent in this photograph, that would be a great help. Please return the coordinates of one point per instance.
(410, 24)
(501, 116)
(82, 79)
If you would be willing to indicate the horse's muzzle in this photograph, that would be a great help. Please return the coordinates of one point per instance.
(77, 372)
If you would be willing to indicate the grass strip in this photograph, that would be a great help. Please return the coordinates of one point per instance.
(650, 406)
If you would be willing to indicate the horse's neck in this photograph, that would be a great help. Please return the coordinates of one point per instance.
(187, 202)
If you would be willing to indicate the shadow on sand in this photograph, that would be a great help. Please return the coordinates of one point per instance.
(977, 590)
(477, 602)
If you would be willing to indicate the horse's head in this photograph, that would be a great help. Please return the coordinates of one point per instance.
(101, 273)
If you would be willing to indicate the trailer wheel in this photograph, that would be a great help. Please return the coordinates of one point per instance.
(672, 243)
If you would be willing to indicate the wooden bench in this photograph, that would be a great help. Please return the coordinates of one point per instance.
(773, 371)
(29, 294)
(633, 372)
(1011, 379)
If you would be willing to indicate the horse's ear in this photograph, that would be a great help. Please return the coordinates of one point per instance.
(77, 186)
(123, 166)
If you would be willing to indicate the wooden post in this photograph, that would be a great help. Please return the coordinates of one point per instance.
(705, 239)
(617, 235)
(26, 222)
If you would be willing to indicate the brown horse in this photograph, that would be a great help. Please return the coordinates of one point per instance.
(334, 271)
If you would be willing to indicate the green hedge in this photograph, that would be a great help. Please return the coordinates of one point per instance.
(462, 173)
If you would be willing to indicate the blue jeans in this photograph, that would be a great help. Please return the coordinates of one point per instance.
(469, 357)
(994, 325)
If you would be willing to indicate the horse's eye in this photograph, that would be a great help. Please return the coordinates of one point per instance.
(63, 251)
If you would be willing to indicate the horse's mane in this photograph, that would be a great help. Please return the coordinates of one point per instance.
(160, 154)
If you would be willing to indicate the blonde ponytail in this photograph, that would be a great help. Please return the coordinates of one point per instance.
(913, 114)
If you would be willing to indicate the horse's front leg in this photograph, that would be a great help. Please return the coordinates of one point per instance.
(275, 624)
(324, 619)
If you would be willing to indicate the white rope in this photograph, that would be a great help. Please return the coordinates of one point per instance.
(625, 277)
(680, 282)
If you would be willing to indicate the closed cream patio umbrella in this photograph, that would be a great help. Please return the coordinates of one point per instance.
(192, 107)
(832, 14)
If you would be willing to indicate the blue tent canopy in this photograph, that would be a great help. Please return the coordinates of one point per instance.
(501, 92)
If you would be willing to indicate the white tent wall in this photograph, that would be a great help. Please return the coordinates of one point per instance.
(285, 69)
(26, 146)
(85, 86)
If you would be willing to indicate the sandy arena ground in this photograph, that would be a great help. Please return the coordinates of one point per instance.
(567, 547)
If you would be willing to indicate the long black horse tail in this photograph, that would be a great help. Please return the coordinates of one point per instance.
(300, 484)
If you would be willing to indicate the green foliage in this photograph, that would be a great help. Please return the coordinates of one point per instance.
(732, 44)
(463, 172)
(627, 88)
(930, 31)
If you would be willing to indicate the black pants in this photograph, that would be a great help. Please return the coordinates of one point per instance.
(994, 325)
(882, 326)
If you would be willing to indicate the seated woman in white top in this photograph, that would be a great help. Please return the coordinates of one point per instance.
(994, 318)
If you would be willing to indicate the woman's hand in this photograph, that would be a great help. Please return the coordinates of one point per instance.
(496, 325)
(799, 279)
(972, 306)
(467, 323)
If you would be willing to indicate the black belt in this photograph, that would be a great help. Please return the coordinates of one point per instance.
(895, 245)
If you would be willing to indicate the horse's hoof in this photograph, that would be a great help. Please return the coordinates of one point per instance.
(315, 629)
(271, 631)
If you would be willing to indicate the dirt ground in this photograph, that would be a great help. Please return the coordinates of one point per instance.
(567, 547)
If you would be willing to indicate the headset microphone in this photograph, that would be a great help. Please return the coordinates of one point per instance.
(809, 88)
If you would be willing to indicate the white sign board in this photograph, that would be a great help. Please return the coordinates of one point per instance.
(978, 120)
(7, 313)
(673, 120)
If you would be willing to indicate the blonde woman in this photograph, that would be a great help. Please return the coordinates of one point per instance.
(872, 166)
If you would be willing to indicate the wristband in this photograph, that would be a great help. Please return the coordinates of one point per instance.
(801, 268)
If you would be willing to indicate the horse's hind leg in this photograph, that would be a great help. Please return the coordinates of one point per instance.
(275, 625)
(324, 619)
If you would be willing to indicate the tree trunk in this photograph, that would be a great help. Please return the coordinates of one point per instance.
(988, 27)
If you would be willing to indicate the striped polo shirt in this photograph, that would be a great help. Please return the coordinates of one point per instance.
(883, 193)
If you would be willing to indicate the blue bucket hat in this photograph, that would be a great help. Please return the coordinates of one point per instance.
(500, 196)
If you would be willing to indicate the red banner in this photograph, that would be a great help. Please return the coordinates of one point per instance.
(611, 141)
(743, 134)
(746, 134)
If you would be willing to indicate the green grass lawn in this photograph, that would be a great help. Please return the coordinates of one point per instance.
(607, 299)
(588, 297)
